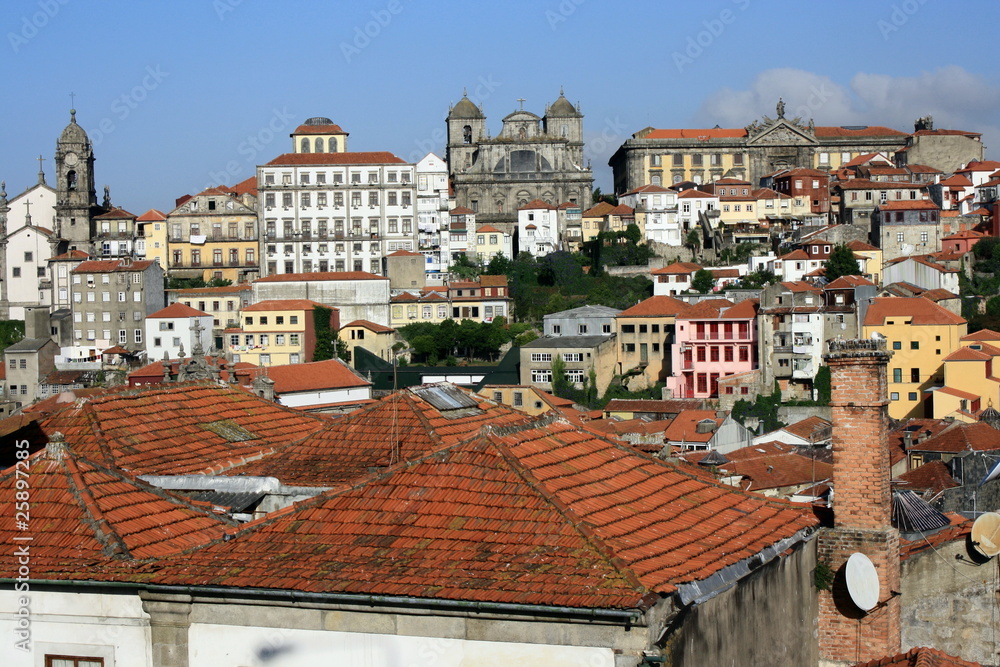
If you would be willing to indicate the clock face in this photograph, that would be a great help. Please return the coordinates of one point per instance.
(71, 159)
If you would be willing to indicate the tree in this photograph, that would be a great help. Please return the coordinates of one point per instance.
(693, 240)
(325, 336)
(464, 267)
(633, 233)
(703, 281)
(499, 265)
(560, 384)
(840, 263)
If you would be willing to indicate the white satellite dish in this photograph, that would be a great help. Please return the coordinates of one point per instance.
(862, 581)
(986, 534)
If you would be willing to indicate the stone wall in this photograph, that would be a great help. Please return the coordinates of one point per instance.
(768, 619)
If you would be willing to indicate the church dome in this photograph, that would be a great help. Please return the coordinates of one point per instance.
(991, 416)
(73, 133)
(562, 107)
(465, 109)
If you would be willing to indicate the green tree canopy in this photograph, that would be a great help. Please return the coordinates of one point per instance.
(840, 263)
(703, 281)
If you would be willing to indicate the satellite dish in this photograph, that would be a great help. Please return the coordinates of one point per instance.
(986, 534)
(862, 581)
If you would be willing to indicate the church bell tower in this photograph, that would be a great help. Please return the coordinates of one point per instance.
(76, 195)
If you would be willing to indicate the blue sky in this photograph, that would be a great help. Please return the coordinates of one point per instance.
(179, 95)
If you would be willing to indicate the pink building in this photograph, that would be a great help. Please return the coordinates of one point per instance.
(713, 339)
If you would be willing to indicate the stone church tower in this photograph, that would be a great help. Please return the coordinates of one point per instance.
(531, 158)
(76, 194)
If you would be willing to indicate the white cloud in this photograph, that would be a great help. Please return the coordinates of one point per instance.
(956, 98)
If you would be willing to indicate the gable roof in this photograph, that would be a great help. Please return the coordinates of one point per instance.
(314, 376)
(177, 310)
(773, 465)
(372, 157)
(962, 437)
(921, 311)
(676, 268)
(656, 306)
(371, 326)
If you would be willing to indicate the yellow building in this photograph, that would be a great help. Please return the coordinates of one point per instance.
(971, 381)
(151, 228)
(375, 338)
(872, 258)
(603, 217)
(213, 235)
(920, 334)
(491, 242)
(274, 333)
(525, 398)
(645, 335)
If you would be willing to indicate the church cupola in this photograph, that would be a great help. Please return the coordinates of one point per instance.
(76, 194)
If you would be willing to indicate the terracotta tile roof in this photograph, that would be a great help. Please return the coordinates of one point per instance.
(964, 234)
(656, 306)
(110, 266)
(908, 205)
(86, 514)
(977, 165)
(959, 529)
(681, 268)
(474, 520)
(461, 210)
(52, 404)
(866, 131)
(649, 188)
(860, 245)
(958, 180)
(694, 194)
(684, 427)
(115, 214)
(537, 204)
(155, 215)
(492, 281)
(982, 335)
(401, 427)
(744, 310)
(933, 476)
(71, 255)
(371, 326)
(404, 253)
(314, 376)
(967, 354)
(714, 133)
(918, 428)
(921, 311)
(319, 276)
(865, 184)
(68, 377)
(708, 309)
(962, 437)
(598, 210)
(849, 282)
(177, 310)
(773, 465)
(920, 657)
(284, 304)
(795, 254)
(177, 428)
(622, 210)
(247, 186)
(809, 427)
(725, 273)
(376, 157)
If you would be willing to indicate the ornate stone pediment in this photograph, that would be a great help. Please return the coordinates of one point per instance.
(781, 132)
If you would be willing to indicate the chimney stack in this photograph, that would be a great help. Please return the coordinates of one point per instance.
(862, 507)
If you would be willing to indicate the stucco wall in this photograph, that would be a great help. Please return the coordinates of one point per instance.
(769, 619)
(947, 603)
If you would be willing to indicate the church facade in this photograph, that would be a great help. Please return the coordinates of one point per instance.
(531, 158)
(669, 156)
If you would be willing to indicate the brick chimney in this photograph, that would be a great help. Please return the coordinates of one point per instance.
(862, 507)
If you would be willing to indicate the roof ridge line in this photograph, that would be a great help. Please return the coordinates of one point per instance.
(104, 532)
(583, 527)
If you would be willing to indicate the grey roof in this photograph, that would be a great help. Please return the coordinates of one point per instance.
(584, 311)
(562, 107)
(567, 341)
(465, 109)
(233, 501)
(911, 513)
(29, 345)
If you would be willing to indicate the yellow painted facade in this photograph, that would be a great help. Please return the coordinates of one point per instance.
(274, 333)
(970, 379)
(376, 339)
(213, 236)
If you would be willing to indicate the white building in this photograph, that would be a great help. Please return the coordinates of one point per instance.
(29, 243)
(491, 242)
(922, 271)
(358, 295)
(334, 211)
(660, 208)
(433, 205)
(538, 231)
(176, 326)
(692, 202)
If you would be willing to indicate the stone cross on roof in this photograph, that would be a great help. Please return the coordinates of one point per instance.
(521, 100)
(197, 328)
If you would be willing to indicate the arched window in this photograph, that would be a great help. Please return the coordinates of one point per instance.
(305, 145)
(319, 145)
(467, 134)
(71, 180)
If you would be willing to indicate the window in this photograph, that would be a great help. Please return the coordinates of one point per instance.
(914, 375)
(293, 319)
(541, 356)
(897, 345)
(138, 335)
(293, 339)
(556, 329)
(894, 396)
(518, 399)
(572, 356)
(911, 396)
(914, 345)
(581, 329)
(897, 374)
(541, 375)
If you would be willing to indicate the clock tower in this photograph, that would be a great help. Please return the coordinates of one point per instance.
(76, 196)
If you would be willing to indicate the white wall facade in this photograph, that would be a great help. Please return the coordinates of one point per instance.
(167, 334)
(356, 299)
